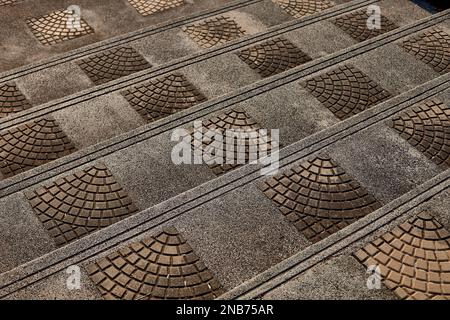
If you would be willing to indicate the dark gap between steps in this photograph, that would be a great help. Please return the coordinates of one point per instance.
(433, 6)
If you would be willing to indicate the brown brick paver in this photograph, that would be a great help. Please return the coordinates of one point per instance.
(161, 267)
(346, 91)
(319, 198)
(414, 259)
(113, 64)
(273, 56)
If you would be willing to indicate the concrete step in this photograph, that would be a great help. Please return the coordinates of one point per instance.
(36, 31)
(237, 229)
(235, 233)
(91, 117)
(237, 214)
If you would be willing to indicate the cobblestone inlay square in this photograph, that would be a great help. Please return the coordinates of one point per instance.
(159, 98)
(161, 267)
(346, 91)
(7, 2)
(214, 31)
(414, 259)
(52, 28)
(273, 56)
(113, 64)
(355, 24)
(80, 203)
(31, 145)
(431, 47)
(301, 8)
(427, 128)
(12, 100)
(233, 119)
(148, 7)
(319, 198)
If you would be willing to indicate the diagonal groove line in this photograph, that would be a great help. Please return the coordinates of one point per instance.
(138, 77)
(145, 221)
(181, 118)
(293, 266)
(122, 39)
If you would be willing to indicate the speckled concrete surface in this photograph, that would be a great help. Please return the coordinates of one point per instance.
(241, 235)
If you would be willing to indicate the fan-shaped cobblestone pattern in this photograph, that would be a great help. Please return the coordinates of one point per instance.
(273, 56)
(52, 28)
(162, 97)
(161, 267)
(7, 2)
(301, 8)
(214, 31)
(431, 47)
(346, 91)
(414, 259)
(80, 203)
(148, 7)
(427, 128)
(31, 145)
(246, 139)
(113, 64)
(319, 198)
(355, 24)
(12, 100)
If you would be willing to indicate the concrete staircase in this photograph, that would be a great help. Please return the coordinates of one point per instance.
(87, 178)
